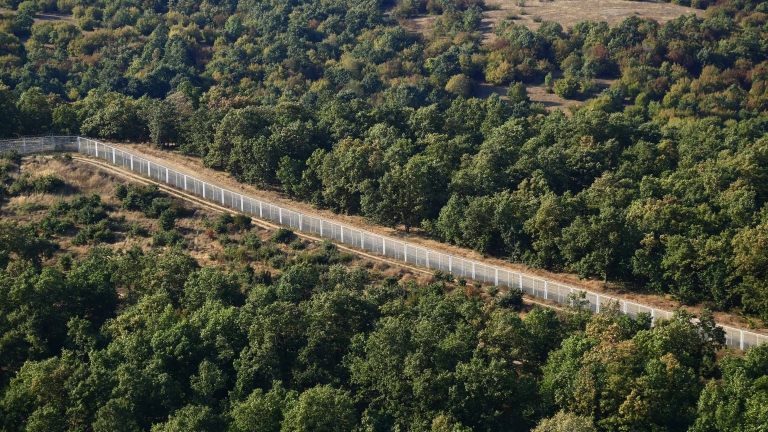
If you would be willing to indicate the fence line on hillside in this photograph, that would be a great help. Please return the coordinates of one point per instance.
(386, 246)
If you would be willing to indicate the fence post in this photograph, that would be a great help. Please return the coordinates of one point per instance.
(280, 213)
(25, 145)
(321, 227)
(203, 189)
(653, 318)
(96, 148)
(741, 340)
(167, 178)
(362, 237)
(185, 182)
(79, 145)
(520, 275)
(260, 210)
(450, 264)
(625, 307)
(473, 269)
(546, 290)
(383, 245)
(242, 203)
(53, 144)
(405, 252)
(497, 278)
(222, 196)
(597, 306)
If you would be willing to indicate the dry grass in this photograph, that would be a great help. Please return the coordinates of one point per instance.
(538, 94)
(565, 12)
(569, 12)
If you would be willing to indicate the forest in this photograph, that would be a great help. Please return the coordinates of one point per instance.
(107, 325)
(123, 308)
(656, 182)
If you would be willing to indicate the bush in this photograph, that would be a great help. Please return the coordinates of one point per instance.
(442, 276)
(278, 261)
(138, 198)
(511, 299)
(297, 244)
(242, 222)
(167, 219)
(516, 93)
(268, 252)
(136, 230)
(48, 183)
(283, 235)
(251, 241)
(168, 238)
(65, 261)
(567, 88)
(223, 223)
(100, 232)
(120, 191)
(13, 156)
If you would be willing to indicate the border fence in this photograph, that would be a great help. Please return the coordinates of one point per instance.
(409, 253)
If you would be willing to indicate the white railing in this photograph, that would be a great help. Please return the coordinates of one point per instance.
(364, 240)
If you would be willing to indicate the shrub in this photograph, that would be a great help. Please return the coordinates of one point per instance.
(100, 232)
(13, 156)
(136, 230)
(251, 241)
(283, 235)
(511, 299)
(267, 252)
(139, 198)
(168, 238)
(278, 261)
(443, 276)
(242, 222)
(120, 191)
(48, 183)
(167, 219)
(65, 261)
(516, 93)
(297, 244)
(222, 223)
(567, 88)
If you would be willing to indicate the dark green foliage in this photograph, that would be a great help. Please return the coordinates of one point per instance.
(324, 347)
(282, 235)
(223, 223)
(251, 241)
(167, 219)
(512, 298)
(242, 222)
(99, 232)
(169, 238)
(87, 213)
(49, 183)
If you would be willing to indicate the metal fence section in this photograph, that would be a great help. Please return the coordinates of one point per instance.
(354, 237)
